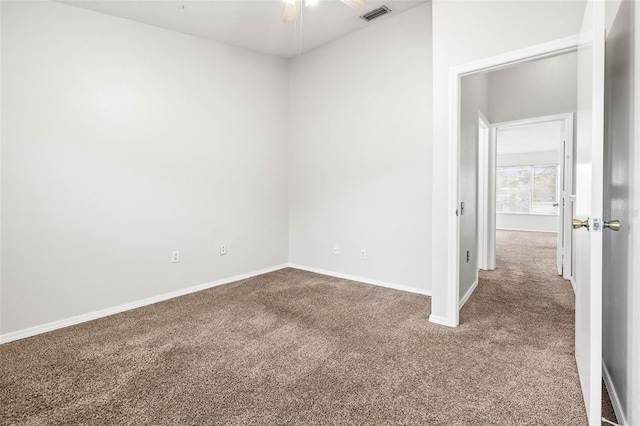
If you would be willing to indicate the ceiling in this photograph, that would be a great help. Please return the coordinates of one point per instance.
(530, 138)
(252, 24)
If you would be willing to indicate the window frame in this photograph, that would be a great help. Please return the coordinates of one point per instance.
(532, 168)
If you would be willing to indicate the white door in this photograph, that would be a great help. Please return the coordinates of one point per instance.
(565, 209)
(562, 193)
(589, 203)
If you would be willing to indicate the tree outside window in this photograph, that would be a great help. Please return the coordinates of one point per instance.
(527, 189)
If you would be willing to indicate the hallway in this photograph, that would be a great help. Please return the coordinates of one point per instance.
(530, 310)
(525, 285)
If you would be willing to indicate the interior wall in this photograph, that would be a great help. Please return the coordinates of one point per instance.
(474, 95)
(527, 222)
(1, 127)
(534, 158)
(634, 332)
(123, 142)
(360, 153)
(463, 32)
(619, 269)
(534, 89)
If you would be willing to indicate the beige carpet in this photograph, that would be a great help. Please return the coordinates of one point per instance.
(292, 347)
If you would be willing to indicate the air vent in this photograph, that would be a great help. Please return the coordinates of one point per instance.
(376, 13)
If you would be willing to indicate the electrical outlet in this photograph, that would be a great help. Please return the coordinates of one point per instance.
(223, 249)
(336, 249)
(363, 254)
(175, 257)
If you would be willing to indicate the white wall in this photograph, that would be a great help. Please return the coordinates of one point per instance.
(463, 32)
(122, 142)
(475, 101)
(527, 222)
(1, 127)
(360, 153)
(634, 361)
(534, 158)
(524, 222)
(534, 89)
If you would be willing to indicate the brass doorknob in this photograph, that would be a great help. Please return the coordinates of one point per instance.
(614, 225)
(577, 223)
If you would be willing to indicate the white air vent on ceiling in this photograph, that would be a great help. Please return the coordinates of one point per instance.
(376, 13)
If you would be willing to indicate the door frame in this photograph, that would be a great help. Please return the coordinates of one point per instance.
(540, 51)
(486, 195)
(486, 182)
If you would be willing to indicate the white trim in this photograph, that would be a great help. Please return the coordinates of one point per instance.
(441, 320)
(526, 230)
(565, 165)
(613, 395)
(568, 168)
(39, 329)
(573, 284)
(453, 224)
(540, 51)
(468, 294)
(486, 239)
(360, 279)
(535, 120)
(570, 256)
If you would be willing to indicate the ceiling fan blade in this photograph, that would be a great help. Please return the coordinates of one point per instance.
(355, 4)
(290, 12)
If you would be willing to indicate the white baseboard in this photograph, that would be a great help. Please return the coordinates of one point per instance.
(361, 279)
(573, 285)
(441, 321)
(468, 294)
(39, 329)
(613, 395)
(526, 230)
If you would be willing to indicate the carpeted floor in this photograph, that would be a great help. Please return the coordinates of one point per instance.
(293, 347)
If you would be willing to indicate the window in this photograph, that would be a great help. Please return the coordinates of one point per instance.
(527, 189)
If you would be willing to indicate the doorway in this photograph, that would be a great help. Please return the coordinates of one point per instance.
(510, 103)
(525, 183)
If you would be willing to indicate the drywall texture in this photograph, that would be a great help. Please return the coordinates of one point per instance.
(534, 89)
(526, 222)
(474, 95)
(122, 143)
(463, 32)
(360, 153)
